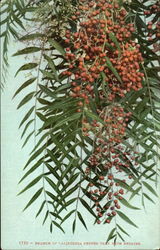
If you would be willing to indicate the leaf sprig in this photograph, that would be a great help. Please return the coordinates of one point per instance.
(82, 157)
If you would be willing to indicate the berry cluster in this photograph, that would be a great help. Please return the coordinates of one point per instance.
(115, 121)
(102, 35)
(153, 9)
(109, 164)
(102, 53)
(153, 30)
(153, 25)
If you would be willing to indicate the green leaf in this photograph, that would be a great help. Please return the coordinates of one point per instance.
(63, 87)
(84, 203)
(57, 46)
(41, 117)
(70, 181)
(114, 39)
(68, 168)
(126, 203)
(52, 66)
(1, 35)
(31, 184)
(94, 116)
(35, 196)
(51, 228)
(27, 66)
(143, 203)
(32, 169)
(24, 85)
(56, 215)
(17, 20)
(69, 192)
(44, 136)
(52, 184)
(57, 225)
(66, 204)
(31, 9)
(74, 226)
(31, 36)
(54, 172)
(67, 119)
(81, 219)
(149, 188)
(46, 216)
(104, 84)
(27, 51)
(134, 193)
(48, 75)
(26, 116)
(52, 196)
(124, 185)
(26, 99)
(124, 217)
(122, 230)
(62, 104)
(71, 148)
(21, 6)
(34, 156)
(115, 239)
(47, 91)
(13, 32)
(2, 11)
(120, 237)
(26, 127)
(28, 137)
(96, 92)
(110, 66)
(111, 235)
(53, 158)
(70, 202)
(67, 216)
(149, 198)
(41, 208)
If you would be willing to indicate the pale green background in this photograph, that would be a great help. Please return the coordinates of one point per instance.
(20, 226)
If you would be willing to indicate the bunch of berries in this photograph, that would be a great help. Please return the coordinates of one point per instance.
(104, 60)
(102, 36)
(110, 167)
(153, 24)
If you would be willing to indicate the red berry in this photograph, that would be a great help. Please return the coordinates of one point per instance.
(101, 178)
(107, 221)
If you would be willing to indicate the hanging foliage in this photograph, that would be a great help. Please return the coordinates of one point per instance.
(94, 105)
